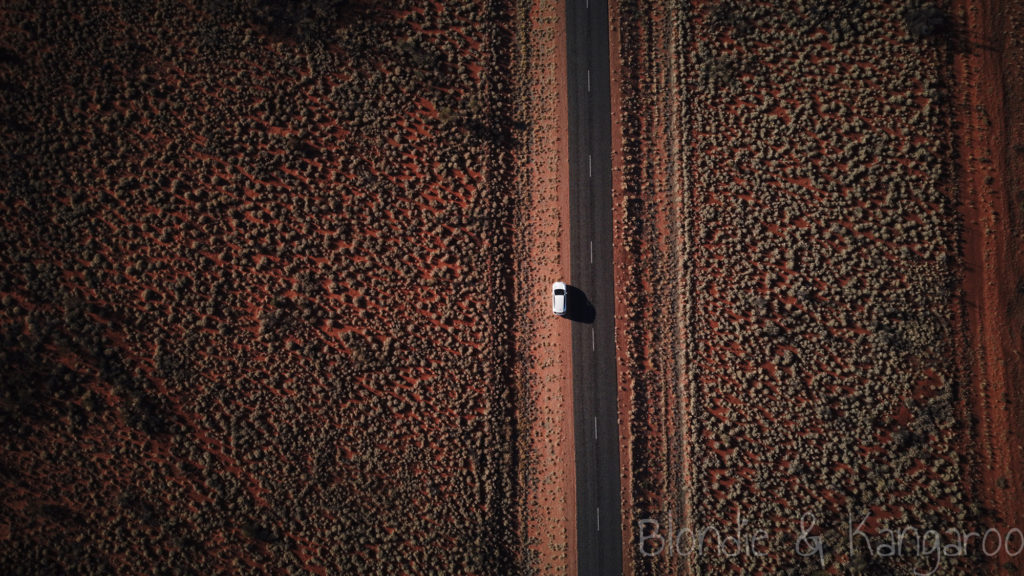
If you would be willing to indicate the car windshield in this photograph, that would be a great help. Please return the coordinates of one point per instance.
(559, 291)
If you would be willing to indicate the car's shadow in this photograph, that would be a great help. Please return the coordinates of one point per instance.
(580, 308)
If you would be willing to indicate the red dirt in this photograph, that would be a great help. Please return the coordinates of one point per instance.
(548, 473)
(991, 137)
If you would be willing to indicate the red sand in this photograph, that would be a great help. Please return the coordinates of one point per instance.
(991, 137)
(549, 492)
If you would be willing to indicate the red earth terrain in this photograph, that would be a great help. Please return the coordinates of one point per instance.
(257, 301)
(820, 223)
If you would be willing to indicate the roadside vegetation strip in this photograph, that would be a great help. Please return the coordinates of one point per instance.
(648, 224)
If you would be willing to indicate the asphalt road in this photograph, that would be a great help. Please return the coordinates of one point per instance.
(598, 513)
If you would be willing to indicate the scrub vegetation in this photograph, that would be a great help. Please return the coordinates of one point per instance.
(796, 330)
(256, 309)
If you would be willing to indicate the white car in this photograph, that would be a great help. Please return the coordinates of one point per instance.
(559, 298)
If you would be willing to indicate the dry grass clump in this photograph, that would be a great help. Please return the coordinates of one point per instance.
(807, 190)
(256, 309)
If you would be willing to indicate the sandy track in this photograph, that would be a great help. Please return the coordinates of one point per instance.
(544, 342)
(990, 137)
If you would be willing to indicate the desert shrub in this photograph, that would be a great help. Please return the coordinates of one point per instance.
(799, 202)
(222, 320)
(925, 19)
